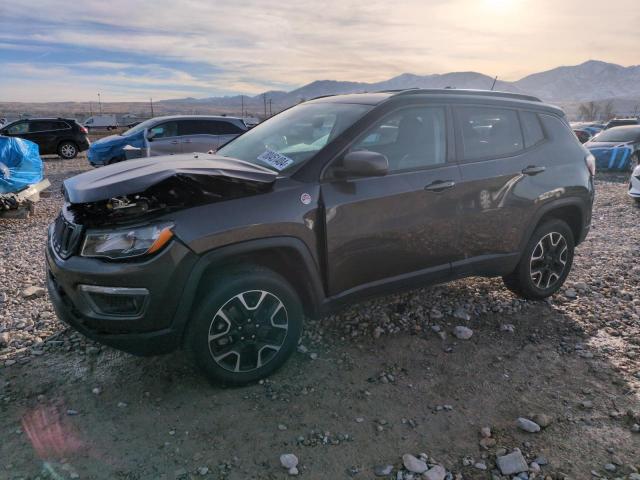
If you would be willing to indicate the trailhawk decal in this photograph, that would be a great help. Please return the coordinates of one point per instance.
(275, 159)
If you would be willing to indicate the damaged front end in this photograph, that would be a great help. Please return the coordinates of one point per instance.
(148, 187)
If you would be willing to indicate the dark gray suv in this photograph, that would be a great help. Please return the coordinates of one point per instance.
(329, 202)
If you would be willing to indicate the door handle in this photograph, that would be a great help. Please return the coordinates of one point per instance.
(440, 185)
(533, 170)
(174, 142)
(186, 141)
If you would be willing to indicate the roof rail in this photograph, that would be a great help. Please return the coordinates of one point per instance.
(454, 91)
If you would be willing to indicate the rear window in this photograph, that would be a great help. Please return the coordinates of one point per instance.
(531, 128)
(618, 134)
(489, 132)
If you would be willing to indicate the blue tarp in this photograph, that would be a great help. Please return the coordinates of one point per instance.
(613, 158)
(20, 164)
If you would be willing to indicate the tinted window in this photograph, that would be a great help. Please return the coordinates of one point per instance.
(531, 128)
(167, 129)
(489, 132)
(618, 134)
(46, 125)
(227, 128)
(18, 128)
(410, 138)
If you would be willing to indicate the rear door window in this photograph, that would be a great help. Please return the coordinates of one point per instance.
(489, 132)
(531, 128)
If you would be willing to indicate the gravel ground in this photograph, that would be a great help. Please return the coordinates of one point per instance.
(391, 387)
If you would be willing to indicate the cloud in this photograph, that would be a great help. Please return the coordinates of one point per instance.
(212, 47)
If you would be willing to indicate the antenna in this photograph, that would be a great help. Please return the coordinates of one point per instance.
(151, 103)
(494, 82)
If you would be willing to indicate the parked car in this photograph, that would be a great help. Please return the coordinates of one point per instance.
(376, 193)
(617, 148)
(97, 122)
(619, 122)
(62, 136)
(167, 136)
(583, 135)
(634, 184)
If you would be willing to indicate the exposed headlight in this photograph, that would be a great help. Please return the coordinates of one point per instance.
(132, 242)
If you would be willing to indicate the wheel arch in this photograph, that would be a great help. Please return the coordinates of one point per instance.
(287, 256)
(571, 211)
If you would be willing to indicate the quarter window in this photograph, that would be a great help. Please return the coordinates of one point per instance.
(531, 128)
(489, 132)
(411, 138)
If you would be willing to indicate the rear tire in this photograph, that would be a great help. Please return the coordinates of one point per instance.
(67, 150)
(545, 263)
(246, 326)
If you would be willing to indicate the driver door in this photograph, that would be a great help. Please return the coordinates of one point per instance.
(164, 139)
(403, 224)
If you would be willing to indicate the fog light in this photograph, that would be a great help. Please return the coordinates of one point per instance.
(115, 301)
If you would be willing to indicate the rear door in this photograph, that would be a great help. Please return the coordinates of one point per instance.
(403, 224)
(165, 140)
(503, 173)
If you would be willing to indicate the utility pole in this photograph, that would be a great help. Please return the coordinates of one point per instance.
(151, 102)
(270, 111)
(99, 102)
(242, 108)
(264, 99)
(90, 109)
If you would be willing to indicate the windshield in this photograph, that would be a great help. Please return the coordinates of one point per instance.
(618, 135)
(292, 137)
(139, 127)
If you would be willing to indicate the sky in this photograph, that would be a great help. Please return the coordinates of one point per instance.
(130, 50)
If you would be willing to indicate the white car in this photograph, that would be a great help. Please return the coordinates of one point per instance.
(634, 184)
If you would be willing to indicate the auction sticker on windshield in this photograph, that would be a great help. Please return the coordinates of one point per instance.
(275, 159)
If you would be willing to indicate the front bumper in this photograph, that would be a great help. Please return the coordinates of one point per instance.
(150, 330)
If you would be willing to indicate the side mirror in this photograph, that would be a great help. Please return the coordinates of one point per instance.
(365, 163)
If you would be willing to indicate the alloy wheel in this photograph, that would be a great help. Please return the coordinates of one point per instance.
(248, 331)
(67, 150)
(548, 260)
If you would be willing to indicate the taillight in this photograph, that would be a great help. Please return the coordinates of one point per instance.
(83, 129)
(590, 160)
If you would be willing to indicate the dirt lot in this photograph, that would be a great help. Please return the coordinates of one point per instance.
(380, 380)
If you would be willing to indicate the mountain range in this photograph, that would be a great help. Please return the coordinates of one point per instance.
(590, 81)
(566, 86)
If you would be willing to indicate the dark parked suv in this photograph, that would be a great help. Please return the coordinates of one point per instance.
(62, 136)
(329, 202)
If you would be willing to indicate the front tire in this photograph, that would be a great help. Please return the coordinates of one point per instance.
(545, 263)
(67, 150)
(247, 325)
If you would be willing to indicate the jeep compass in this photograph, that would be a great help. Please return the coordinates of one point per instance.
(327, 203)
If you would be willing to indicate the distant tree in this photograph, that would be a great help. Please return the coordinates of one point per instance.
(608, 111)
(588, 111)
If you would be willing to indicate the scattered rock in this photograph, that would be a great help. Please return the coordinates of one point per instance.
(527, 425)
(33, 292)
(288, 461)
(461, 314)
(412, 464)
(462, 333)
(512, 463)
(435, 473)
(542, 419)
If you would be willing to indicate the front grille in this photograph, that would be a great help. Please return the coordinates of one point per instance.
(66, 237)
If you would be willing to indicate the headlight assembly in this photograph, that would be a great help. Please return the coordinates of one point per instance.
(126, 243)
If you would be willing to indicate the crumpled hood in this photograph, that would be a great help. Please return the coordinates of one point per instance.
(111, 140)
(136, 176)
(591, 145)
